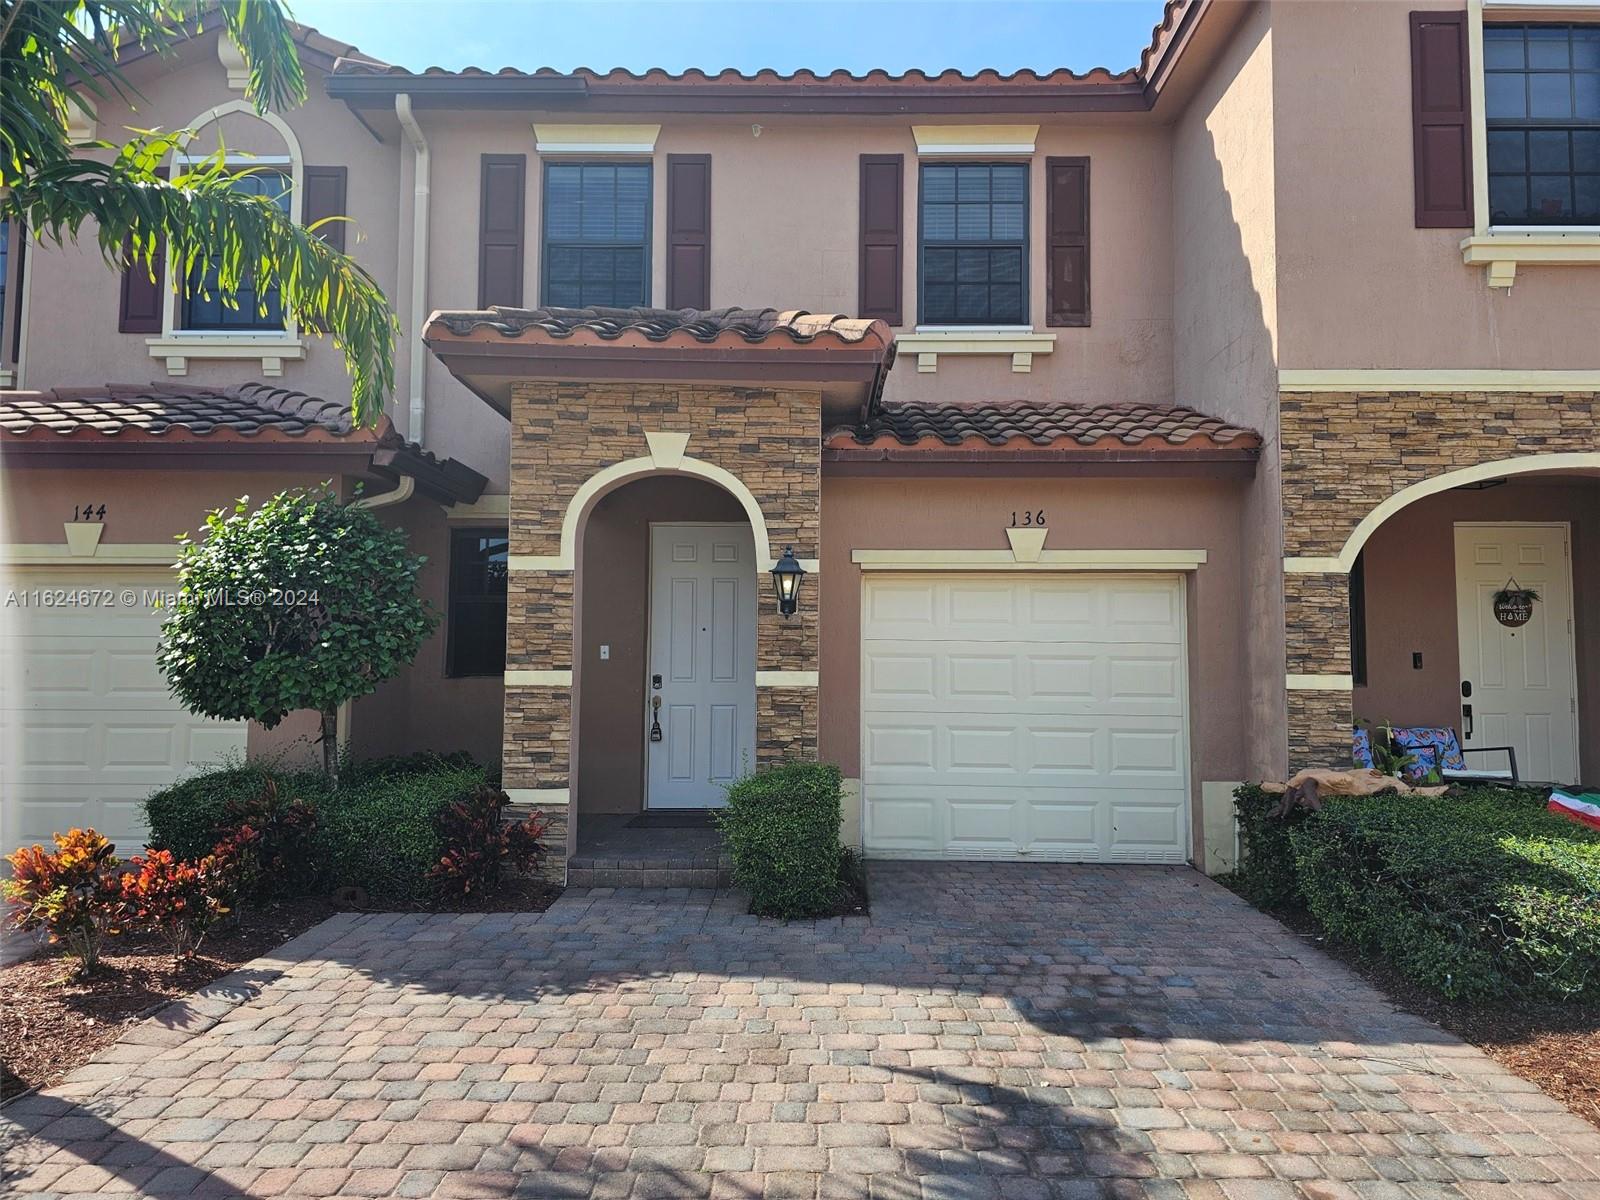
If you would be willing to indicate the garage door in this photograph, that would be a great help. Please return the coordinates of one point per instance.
(89, 728)
(1032, 716)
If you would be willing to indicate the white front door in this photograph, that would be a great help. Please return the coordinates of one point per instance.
(701, 691)
(1033, 716)
(1523, 681)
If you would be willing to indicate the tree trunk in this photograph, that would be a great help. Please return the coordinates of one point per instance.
(330, 747)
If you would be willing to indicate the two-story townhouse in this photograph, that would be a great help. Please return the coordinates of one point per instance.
(1163, 432)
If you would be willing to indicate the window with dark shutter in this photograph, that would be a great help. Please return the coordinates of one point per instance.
(974, 260)
(476, 633)
(1542, 108)
(882, 221)
(688, 231)
(501, 223)
(1067, 237)
(1441, 142)
(596, 234)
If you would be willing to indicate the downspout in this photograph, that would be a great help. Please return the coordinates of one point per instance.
(420, 172)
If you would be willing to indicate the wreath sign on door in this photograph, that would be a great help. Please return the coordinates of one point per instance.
(1513, 604)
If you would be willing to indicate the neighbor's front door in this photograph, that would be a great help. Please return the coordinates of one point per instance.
(1524, 692)
(700, 696)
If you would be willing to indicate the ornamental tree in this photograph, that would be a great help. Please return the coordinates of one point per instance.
(303, 603)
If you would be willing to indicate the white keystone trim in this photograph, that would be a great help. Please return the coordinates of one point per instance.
(967, 140)
(1582, 460)
(1048, 560)
(545, 796)
(595, 139)
(666, 449)
(1027, 544)
(1319, 683)
(523, 677)
(799, 679)
(1489, 380)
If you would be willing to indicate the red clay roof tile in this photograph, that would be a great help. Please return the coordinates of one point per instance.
(153, 410)
(1047, 425)
(749, 325)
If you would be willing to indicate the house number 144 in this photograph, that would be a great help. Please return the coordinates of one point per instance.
(1022, 520)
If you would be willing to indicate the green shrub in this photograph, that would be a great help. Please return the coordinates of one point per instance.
(1477, 894)
(781, 828)
(192, 816)
(1266, 874)
(381, 833)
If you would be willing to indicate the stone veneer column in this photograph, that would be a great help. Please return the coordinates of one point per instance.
(1344, 454)
(562, 436)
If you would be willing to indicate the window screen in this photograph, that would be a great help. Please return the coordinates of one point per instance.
(974, 252)
(1542, 103)
(203, 307)
(596, 234)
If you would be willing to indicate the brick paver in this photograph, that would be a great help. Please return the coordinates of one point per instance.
(991, 1031)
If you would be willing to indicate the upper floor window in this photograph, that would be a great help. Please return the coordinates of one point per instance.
(476, 634)
(1542, 109)
(203, 308)
(596, 234)
(973, 260)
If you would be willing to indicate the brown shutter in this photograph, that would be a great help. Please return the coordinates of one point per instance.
(501, 229)
(139, 309)
(1067, 241)
(324, 198)
(882, 222)
(688, 231)
(1440, 129)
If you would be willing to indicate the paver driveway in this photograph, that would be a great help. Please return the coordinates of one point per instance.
(991, 1030)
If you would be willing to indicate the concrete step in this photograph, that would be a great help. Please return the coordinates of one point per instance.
(582, 872)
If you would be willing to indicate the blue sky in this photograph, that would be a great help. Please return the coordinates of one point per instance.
(784, 34)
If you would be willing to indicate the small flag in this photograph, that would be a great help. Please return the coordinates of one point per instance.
(1584, 808)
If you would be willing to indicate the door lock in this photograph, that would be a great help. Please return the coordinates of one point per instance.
(655, 715)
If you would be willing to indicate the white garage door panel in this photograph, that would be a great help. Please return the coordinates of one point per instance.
(88, 725)
(1040, 717)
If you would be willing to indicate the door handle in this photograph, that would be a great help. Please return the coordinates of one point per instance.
(655, 718)
(1466, 718)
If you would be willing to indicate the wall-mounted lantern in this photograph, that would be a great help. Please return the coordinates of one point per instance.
(786, 575)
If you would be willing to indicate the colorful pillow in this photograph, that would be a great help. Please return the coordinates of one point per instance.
(1361, 747)
(1437, 740)
(1422, 765)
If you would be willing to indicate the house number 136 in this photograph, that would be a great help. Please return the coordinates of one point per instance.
(1027, 518)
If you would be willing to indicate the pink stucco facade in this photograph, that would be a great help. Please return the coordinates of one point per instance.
(1251, 236)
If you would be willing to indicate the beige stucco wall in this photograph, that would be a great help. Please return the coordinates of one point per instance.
(1360, 287)
(1410, 577)
(613, 602)
(1225, 323)
(972, 513)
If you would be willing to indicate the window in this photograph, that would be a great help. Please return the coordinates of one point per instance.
(1542, 108)
(1358, 620)
(596, 234)
(476, 637)
(203, 309)
(974, 253)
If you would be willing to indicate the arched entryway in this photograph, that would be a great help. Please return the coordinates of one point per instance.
(1404, 617)
(664, 648)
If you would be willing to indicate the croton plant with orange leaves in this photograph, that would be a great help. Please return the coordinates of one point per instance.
(73, 894)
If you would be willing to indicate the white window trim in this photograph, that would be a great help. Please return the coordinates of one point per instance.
(268, 347)
(928, 342)
(958, 141)
(1501, 249)
(595, 139)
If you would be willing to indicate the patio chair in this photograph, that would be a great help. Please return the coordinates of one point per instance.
(1438, 746)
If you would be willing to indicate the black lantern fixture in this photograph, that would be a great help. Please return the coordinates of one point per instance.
(786, 575)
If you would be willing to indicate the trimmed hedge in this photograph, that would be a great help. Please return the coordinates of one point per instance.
(781, 827)
(378, 832)
(1478, 894)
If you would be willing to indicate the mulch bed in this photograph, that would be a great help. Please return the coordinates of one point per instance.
(1556, 1046)
(52, 1023)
